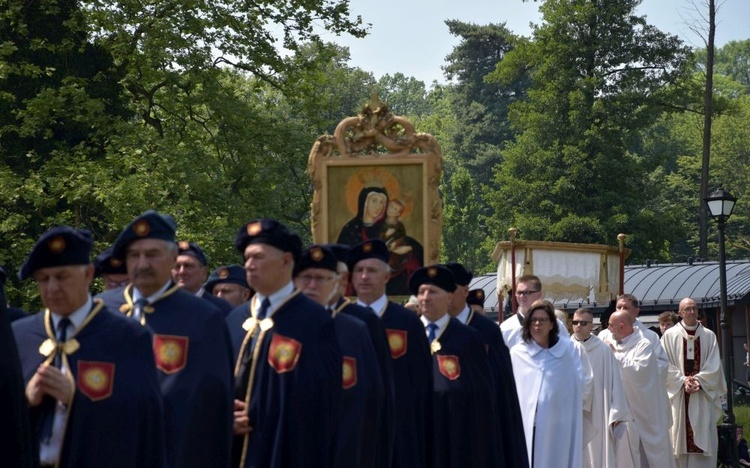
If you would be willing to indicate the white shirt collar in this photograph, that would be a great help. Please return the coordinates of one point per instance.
(276, 299)
(442, 324)
(77, 317)
(463, 316)
(137, 294)
(378, 305)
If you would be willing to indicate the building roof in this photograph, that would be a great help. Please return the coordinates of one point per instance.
(659, 287)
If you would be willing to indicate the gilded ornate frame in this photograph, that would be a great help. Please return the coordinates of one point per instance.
(374, 148)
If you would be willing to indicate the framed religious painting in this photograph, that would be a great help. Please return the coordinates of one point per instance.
(378, 178)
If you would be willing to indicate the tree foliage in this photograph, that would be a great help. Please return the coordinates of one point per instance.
(598, 74)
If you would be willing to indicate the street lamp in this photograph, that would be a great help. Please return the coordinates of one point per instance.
(720, 204)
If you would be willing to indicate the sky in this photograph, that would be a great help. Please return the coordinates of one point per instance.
(410, 36)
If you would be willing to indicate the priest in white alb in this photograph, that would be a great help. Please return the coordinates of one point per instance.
(694, 385)
(645, 392)
(609, 407)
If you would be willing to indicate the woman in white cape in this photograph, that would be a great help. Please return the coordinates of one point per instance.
(550, 391)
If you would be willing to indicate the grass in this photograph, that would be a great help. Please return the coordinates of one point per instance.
(742, 417)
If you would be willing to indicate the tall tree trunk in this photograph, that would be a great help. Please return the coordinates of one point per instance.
(708, 99)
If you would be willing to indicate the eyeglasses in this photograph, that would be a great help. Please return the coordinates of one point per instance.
(528, 292)
(689, 309)
(582, 323)
(539, 319)
(307, 279)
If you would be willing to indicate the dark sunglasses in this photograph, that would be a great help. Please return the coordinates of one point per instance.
(582, 323)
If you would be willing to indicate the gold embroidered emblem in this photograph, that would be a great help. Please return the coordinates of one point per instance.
(367, 248)
(449, 366)
(170, 352)
(115, 262)
(283, 353)
(432, 272)
(349, 376)
(397, 342)
(223, 273)
(184, 245)
(96, 379)
(316, 254)
(141, 228)
(254, 228)
(56, 245)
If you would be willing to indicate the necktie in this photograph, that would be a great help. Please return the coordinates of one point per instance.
(431, 332)
(138, 308)
(264, 306)
(243, 373)
(49, 416)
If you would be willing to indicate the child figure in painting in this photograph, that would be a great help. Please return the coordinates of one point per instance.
(393, 232)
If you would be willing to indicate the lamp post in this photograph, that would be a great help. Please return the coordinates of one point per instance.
(720, 204)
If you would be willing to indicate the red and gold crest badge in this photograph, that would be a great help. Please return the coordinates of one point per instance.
(316, 253)
(183, 245)
(480, 294)
(367, 248)
(432, 272)
(397, 342)
(254, 228)
(449, 366)
(141, 228)
(115, 262)
(170, 352)
(223, 273)
(56, 245)
(95, 379)
(349, 378)
(283, 353)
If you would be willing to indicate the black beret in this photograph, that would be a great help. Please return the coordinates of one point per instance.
(60, 246)
(476, 297)
(462, 275)
(341, 251)
(192, 249)
(149, 225)
(373, 248)
(316, 256)
(270, 232)
(437, 275)
(106, 264)
(227, 274)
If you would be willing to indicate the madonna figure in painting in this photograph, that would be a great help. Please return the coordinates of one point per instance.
(406, 255)
(370, 215)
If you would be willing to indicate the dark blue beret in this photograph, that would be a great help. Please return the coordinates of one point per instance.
(462, 275)
(340, 251)
(149, 225)
(106, 264)
(437, 275)
(60, 246)
(476, 297)
(373, 248)
(316, 256)
(270, 232)
(192, 249)
(227, 274)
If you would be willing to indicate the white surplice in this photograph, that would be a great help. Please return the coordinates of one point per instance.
(704, 406)
(550, 393)
(647, 397)
(609, 408)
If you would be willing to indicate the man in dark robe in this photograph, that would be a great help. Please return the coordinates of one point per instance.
(463, 403)
(16, 444)
(363, 395)
(289, 367)
(368, 264)
(511, 442)
(190, 342)
(91, 385)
